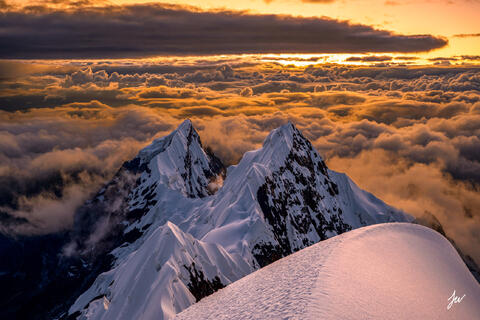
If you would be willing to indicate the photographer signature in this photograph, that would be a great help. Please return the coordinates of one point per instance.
(454, 299)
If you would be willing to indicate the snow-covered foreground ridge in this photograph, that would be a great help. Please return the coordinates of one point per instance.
(387, 271)
(178, 230)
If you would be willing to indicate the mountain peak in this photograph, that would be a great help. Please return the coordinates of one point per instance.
(285, 139)
(183, 133)
(283, 134)
(185, 126)
(178, 162)
(278, 146)
(187, 130)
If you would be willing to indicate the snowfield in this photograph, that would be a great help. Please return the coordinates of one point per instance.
(384, 271)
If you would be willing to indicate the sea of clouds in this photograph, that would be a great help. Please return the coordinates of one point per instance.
(408, 134)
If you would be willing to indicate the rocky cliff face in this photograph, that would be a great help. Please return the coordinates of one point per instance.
(298, 201)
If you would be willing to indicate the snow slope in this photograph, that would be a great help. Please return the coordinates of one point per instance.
(385, 271)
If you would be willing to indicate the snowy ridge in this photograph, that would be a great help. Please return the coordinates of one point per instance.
(387, 271)
(169, 264)
(278, 199)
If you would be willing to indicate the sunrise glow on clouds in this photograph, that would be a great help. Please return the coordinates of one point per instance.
(387, 91)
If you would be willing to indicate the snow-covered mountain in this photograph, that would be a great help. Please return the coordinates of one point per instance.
(176, 229)
(175, 165)
(387, 271)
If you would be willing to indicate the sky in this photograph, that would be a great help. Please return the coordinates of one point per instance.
(387, 91)
(455, 22)
(436, 17)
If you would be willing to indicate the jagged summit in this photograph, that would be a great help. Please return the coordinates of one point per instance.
(185, 126)
(184, 132)
(284, 149)
(276, 148)
(283, 134)
(285, 194)
(174, 162)
(179, 162)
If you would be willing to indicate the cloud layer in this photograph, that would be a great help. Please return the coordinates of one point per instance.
(155, 29)
(410, 135)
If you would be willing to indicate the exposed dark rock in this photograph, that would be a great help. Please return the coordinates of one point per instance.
(289, 197)
(198, 188)
(199, 286)
(135, 166)
(266, 253)
(132, 236)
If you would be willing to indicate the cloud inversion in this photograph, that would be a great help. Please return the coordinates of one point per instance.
(410, 135)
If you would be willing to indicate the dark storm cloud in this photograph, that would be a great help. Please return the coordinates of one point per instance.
(153, 29)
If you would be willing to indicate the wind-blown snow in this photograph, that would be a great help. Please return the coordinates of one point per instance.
(385, 271)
